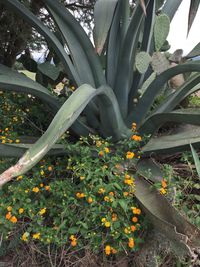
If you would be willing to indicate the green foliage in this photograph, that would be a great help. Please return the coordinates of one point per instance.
(60, 198)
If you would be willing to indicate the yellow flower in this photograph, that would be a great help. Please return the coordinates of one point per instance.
(8, 215)
(17, 141)
(103, 220)
(42, 172)
(108, 250)
(72, 88)
(9, 208)
(101, 191)
(21, 210)
(3, 141)
(26, 191)
(107, 224)
(130, 155)
(107, 150)
(13, 219)
(163, 191)
(82, 178)
(98, 143)
(36, 236)
(127, 231)
(25, 237)
(41, 185)
(131, 242)
(42, 211)
(19, 177)
(89, 200)
(106, 198)
(129, 181)
(134, 126)
(6, 129)
(35, 189)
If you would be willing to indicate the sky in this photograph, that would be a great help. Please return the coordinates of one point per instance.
(178, 30)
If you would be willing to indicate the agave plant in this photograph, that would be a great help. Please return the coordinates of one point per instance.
(113, 96)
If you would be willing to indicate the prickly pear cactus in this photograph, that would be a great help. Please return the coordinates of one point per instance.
(159, 62)
(142, 62)
(161, 30)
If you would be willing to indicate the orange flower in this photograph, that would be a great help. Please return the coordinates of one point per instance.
(125, 194)
(111, 194)
(114, 217)
(134, 219)
(131, 242)
(108, 250)
(133, 228)
(8, 215)
(130, 155)
(47, 187)
(73, 243)
(89, 200)
(164, 183)
(35, 189)
(136, 138)
(13, 219)
(114, 251)
(101, 153)
(136, 210)
(50, 168)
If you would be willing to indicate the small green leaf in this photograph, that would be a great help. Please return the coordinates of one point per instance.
(123, 204)
(73, 230)
(161, 30)
(49, 70)
(142, 62)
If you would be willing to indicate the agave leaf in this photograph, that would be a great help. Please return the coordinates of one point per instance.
(17, 150)
(50, 37)
(49, 70)
(145, 102)
(194, 5)
(174, 99)
(142, 3)
(195, 52)
(113, 47)
(64, 118)
(170, 7)
(190, 116)
(147, 46)
(196, 159)
(76, 50)
(146, 84)
(161, 30)
(176, 142)
(103, 16)
(13, 81)
(128, 53)
(73, 32)
(150, 170)
(183, 235)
